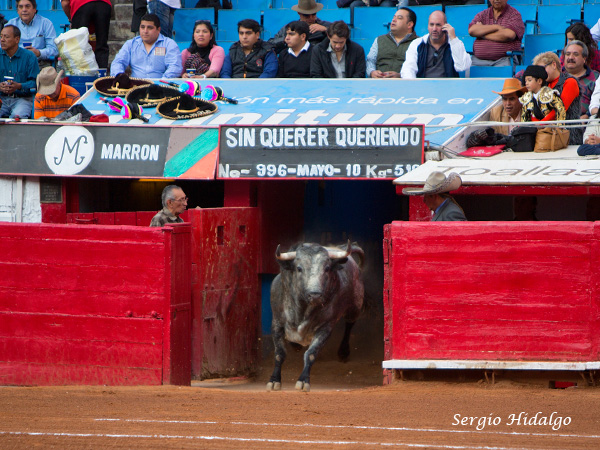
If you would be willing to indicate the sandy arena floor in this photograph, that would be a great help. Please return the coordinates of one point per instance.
(347, 408)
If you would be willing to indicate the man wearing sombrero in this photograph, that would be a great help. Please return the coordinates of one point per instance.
(510, 109)
(307, 10)
(436, 197)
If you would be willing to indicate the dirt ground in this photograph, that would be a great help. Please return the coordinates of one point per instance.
(347, 408)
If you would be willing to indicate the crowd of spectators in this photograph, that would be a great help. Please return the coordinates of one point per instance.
(306, 47)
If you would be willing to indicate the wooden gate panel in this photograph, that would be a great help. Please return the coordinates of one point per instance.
(225, 291)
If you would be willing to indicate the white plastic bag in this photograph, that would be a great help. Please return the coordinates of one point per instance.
(76, 52)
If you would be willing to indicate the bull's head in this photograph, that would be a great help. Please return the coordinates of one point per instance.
(311, 267)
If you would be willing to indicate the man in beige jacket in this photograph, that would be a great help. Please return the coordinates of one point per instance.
(510, 109)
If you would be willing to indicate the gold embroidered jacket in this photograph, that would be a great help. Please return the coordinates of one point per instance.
(548, 100)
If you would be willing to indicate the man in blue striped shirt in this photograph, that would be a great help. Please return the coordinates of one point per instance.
(150, 55)
(37, 32)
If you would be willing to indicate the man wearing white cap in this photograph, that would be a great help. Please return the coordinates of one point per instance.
(436, 196)
(53, 97)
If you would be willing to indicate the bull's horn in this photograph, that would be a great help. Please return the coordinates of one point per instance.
(336, 254)
(284, 256)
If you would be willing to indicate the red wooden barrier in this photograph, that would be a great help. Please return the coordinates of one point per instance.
(225, 291)
(511, 291)
(94, 305)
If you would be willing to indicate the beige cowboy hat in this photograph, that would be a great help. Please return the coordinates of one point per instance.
(511, 86)
(307, 7)
(436, 183)
(47, 80)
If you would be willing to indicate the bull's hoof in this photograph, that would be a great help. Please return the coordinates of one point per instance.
(302, 386)
(273, 386)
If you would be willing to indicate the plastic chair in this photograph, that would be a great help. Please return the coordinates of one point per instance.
(591, 14)
(183, 27)
(553, 18)
(228, 20)
(534, 44)
(529, 16)
(491, 72)
(372, 22)
(460, 17)
(274, 19)
(423, 13)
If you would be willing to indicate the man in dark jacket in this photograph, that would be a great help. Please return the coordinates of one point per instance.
(337, 56)
(250, 57)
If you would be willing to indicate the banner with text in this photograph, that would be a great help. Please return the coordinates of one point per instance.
(263, 152)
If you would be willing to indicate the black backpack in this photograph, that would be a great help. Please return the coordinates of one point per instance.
(524, 139)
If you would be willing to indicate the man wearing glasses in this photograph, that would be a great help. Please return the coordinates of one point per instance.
(438, 54)
(174, 203)
(307, 10)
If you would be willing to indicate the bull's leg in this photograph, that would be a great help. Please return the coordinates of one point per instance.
(344, 349)
(274, 383)
(303, 383)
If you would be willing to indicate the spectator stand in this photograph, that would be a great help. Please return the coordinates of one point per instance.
(591, 13)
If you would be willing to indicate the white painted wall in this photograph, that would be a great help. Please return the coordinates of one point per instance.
(27, 196)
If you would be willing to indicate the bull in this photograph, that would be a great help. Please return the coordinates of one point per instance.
(316, 286)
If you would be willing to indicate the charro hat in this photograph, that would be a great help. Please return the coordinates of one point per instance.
(118, 85)
(48, 80)
(185, 107)
(512, 86)
(307, 7)
(151, 94)
(436, 183)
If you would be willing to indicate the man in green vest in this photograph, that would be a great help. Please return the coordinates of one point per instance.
(388, 51)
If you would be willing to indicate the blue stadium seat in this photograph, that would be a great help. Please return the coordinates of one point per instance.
(423, 13)
(491, 72)
(529, 16)
(58, 19)
(228, 20)
(553, 18)
(523, 2)
(183, 26)
(535, 44)
(468, 41)
(561, 2)
(44, 5)
(9, 13)
(251, 4)
(331, 15)
(365, 44)
(461, 16)
(371, 22)
(591, 14)
(274, 19)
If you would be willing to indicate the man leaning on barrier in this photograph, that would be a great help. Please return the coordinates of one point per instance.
(174, 203)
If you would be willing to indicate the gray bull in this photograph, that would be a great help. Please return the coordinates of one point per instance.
(316, 287)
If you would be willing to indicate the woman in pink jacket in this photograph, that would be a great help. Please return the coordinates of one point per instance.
(203, 58)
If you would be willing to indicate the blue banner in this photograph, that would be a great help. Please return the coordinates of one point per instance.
(339, 102)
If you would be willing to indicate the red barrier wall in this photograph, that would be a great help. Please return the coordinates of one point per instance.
(520, 291)
(94, 305)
